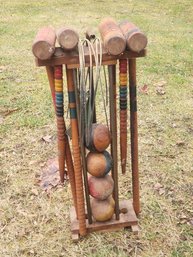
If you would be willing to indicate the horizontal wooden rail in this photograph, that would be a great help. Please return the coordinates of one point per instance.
(72, 58)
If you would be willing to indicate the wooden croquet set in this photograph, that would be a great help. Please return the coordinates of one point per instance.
(96, 149)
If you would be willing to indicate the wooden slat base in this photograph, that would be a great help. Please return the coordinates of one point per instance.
(127, 219)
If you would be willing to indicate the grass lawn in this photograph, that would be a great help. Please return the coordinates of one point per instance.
(35, 224)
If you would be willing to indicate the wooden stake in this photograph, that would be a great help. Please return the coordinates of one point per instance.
(134, 134)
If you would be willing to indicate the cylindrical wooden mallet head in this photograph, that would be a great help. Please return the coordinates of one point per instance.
(136, 40)
(112, 37)
(99, 164)
(44, 43)
(99, 138)
(102, 210)
(67, 38)
(101, 188)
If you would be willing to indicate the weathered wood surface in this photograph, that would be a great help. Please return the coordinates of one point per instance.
(67, 38)
(135, 39)
(72, 58)
(134, 135)
(128, 219)
(112, 37)
(44, 43)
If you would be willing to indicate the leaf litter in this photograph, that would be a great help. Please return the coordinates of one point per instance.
(49, 177)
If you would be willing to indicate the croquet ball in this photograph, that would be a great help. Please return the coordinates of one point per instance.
(99, 138)
(102, 210)
(101, 188)
(99, 164)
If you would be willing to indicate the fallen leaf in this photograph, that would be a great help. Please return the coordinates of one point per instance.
(2, 68)
(170, 193)
(160, 87)
(144, 89)
(50, 176)
(182, 222)
(180, 143)
(8, 112)
(190, 222)
(47, 139)
(160, 91)
(161, 191)
(161, 83)
(32, 162)
(183, 237)
(157, 186)
(42, 164)
(182, 217)
(34, 191)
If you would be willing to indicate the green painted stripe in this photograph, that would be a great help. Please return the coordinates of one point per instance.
(133, 106)
(73, 114)
(133, 91)
(71, 97)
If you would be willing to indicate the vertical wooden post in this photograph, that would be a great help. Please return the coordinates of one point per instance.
(134, 134)
(76, 153)
(113, 129)
(123, 112)
(50, 74)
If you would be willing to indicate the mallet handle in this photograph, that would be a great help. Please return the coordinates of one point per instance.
(76, 153)
(68, 155)
(134, 134)
(58, 85)
(123, 112)
(113, 130)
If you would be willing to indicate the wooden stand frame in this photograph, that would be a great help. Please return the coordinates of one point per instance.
(128, 209)
(127, 219)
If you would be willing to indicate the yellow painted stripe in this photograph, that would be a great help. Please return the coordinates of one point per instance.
(59, 84)
(123, 78)
(123, 82)
(123, 75)
(58, 89)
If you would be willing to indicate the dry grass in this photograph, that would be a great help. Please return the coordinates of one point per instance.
(33, 224)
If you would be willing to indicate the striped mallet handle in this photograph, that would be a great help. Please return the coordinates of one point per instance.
(76, 153)
(58, 85)
(68, 156)
(123, 112)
